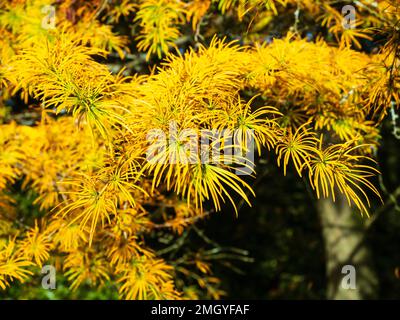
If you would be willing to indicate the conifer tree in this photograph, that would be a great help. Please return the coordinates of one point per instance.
(93, 100)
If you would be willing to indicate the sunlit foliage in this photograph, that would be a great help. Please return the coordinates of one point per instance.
(313, 106)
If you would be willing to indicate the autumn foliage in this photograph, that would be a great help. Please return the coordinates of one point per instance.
(82, 144)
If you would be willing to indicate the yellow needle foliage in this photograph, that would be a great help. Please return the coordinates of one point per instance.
(85, 154)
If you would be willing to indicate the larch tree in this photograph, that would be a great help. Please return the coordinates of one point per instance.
(135, 119)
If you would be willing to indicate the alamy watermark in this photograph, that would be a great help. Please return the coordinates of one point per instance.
(349, 280)
(349, 17)
(191, 146)
(49, 20)
(49, 278)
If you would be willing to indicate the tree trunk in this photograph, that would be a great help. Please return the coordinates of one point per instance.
(344, 236)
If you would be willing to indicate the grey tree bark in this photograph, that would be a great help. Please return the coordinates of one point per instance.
(344, 234)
